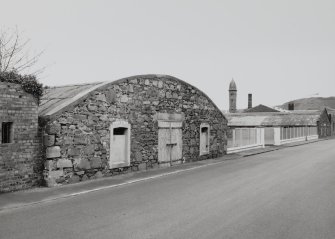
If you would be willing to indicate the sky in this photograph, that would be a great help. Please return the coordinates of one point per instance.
(278, 50)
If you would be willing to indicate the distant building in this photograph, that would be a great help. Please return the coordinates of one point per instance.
(284, 127)
(331, 116)
(260, 108)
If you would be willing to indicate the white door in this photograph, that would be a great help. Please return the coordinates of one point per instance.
(204, 140)
(119, 147)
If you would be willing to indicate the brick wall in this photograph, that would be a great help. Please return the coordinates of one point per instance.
(20, 167)
(77, 141)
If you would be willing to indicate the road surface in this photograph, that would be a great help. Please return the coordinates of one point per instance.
(289, 193)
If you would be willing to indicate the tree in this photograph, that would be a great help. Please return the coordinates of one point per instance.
(16, 62)
(14, 54)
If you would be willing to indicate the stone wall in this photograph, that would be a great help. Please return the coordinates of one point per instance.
(20, 165)
(77, 140)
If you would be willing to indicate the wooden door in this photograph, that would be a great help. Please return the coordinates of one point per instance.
(170, 142)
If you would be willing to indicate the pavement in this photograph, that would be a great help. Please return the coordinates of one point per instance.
(40, 195)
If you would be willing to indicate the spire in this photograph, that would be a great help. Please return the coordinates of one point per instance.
(232, 85)
(232, 96)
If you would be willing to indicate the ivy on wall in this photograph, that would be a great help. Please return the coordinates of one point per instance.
(28, 82)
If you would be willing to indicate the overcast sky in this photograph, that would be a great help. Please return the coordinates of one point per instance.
(277, 50)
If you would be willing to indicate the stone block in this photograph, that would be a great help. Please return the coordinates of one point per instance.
(80, 117)
(101, 97)
(50, 182)
(92, 108)
(134, 81)
(50, 165)
(48, 140)
(74, 179)
(54, 174)
(68, 140)
(72, 127)
(124, 99)
(81, 164)
(98, 174)
(53, 152)
(64, 163)
(84, 178)
(89, 149)
(60, 180)
(73, 151)
(79, 139)
(80, 173)
(142, 166)
(96, 162)
(53, 128)
(111, 96)
(138, 156)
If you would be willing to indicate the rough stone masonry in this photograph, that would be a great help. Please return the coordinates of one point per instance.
(77, 136)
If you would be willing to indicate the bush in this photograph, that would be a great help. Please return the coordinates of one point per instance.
(28, 82)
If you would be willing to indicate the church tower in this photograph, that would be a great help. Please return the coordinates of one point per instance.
(232, 96)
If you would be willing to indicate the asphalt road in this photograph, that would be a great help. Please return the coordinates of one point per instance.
(288, 193)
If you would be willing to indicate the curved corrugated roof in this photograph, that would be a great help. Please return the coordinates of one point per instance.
(57, 99)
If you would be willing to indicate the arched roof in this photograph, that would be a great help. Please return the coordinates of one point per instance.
(232, 85)
(59, 99)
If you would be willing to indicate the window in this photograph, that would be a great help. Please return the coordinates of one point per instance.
(7, 132)
(119, 131)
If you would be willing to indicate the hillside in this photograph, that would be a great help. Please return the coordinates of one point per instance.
(313, 103)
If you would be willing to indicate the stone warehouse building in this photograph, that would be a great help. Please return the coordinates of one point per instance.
(136, 123)
(20, 164)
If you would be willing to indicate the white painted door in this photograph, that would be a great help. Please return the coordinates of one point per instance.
(204, 141)
(118, 149)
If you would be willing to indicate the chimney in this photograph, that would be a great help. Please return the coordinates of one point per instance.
(291, 106)
(249, 101)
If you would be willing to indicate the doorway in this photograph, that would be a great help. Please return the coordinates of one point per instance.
(204, 139)
(119, 145)
(170, 143)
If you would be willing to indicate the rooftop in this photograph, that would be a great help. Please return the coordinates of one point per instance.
(296, 118)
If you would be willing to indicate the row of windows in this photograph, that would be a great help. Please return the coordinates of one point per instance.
(296, 132)
(243, 137)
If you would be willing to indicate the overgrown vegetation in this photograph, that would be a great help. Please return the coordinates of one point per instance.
(28, 82)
